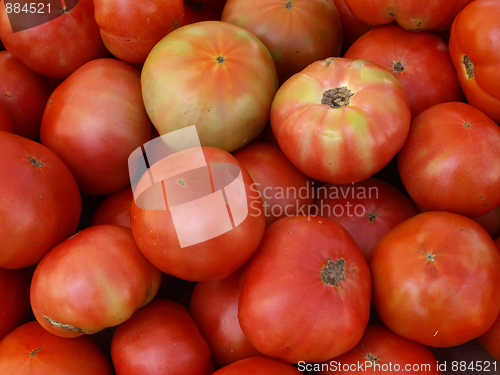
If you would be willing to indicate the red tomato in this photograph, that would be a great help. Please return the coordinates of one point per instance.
(115, 208)
(435, 279)
(341, 120)
(130, 29)
(284, 190)
(92, 128)
(420, 61)
(412, 15)
(367, 209)
(41, 203)
(79, 289)
(352, 26)
(451, 161)
(160, 338)
(24, 94)
(40, 47)
(15, 299)
(296, 33)
(6, 123)
(214, 308)
(305, 294)
(475, 52)
(258, 365)
(382, 351)
(189, 243)
(212, 74)
(31, 350)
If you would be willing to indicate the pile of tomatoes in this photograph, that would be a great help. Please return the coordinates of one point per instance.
(249, 187)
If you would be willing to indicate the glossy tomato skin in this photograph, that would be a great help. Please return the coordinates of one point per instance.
(475, 52)
(435, 279)
(452, 147)
(352, 26)
(307, 270)
(93, 129)
(341, 120)
(114, 208)
(130, 29)
(214, 308)
(24, 95)
(296, 33)
(155, 232)
(212, 74)
(6, 123)
(105, 280)
(30, 350)
(40, 47)
(159, 338)
(420, 61)
(41, 203)
(258, 365)
(381, 350)
(15, 299)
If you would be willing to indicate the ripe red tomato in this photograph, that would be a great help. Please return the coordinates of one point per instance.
(341, 120)
(31, 350)
(41, 203)
(40, 47)
(475, 52)
(114, 208)
(420, 61)
(435, 279)
(451, 161)
(212, 74)
(15, 299)
(160, 337)
(95, 279)
(130, 29)
(296, 33)
(305, 294)
(94, 129)
(258, 365)
(214, 308)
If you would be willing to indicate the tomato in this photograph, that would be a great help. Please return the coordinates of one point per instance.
(130, 29)
(24, 94)
(381, 350)
(30, 350)
(185, 241)
(41, 203)
(114, 208)
(95, 279)
(161, 337)
(6, 123)
(412, 15)
(305, 294)
(296, 33)
(258, 365)
(475, 52)
(420, 61)
(93, 129)
(284, 190)
(214, 308)
(40, 47)
(454, 166)
(212, 74)
(196, 11)
(435, 279)
(341, 120)
(367, 209)
(15, 299)
(352, 26)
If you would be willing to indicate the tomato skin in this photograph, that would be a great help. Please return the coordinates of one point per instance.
(160, 337)
(347, 141)
(94, 130)
(30, 350)
(420, 61)
(435, 279)
(258, 365)
(296, 33)
(227, 78)
(77, 26)
(39, 196)
(24, 95)
(106, 279)
(6, 123)
(15, 300)
(197, 11)
(352, 26)
(459, 159)
(284, 279)
(475, 34)
(115, 208)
